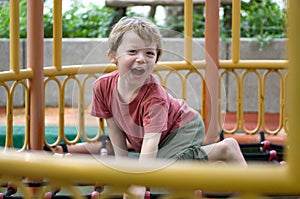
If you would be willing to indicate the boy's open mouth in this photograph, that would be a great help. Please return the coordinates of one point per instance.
(138, 71)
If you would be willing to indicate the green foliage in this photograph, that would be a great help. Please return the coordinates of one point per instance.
(4, 25)
(78, 21)
(23, 19)
(82, 21)
(262, 20)
(5, 17)
(198, 25)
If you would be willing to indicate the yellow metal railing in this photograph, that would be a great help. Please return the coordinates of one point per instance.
(181, 178)
(195, 68)
(261, 70)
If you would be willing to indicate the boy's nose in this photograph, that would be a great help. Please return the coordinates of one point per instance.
(140, 58)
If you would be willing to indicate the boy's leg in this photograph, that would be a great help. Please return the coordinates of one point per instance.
(227, 150)
(86, 148)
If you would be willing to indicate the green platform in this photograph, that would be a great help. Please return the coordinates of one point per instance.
(51, 133)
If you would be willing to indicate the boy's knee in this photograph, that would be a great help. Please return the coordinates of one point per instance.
(229, 146)
(231, 142)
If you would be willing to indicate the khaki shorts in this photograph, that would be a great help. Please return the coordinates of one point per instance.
(185, 142)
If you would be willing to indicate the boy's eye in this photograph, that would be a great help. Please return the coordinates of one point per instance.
(146, 52)
(151, 53)
(131, 51)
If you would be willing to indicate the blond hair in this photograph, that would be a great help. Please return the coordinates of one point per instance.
(148, 31)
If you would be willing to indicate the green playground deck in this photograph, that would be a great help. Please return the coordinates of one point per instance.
(51, 133)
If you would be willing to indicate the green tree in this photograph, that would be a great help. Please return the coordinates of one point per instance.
(82, 21)
(4, 25)
(263, 21)
(78, 21)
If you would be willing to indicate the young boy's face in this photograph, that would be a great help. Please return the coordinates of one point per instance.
(135, 58)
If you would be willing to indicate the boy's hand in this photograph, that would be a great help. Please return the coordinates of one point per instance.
(137, 191)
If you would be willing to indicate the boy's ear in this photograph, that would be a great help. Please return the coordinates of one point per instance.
(112, 57)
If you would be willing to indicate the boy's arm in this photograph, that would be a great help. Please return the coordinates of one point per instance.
(148, 152)
(117, 137)
(149, 146)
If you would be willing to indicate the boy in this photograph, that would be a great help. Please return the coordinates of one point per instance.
(138, 109)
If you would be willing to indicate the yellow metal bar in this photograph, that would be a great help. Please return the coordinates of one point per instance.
(222, 116)
(235, 51)
(281, 98)
(178, 65)
(6, 76)
(178, 175)
(81, 119)
(14, 36)
(79, 69)
(27, 119)
(9, 138)
(181, 65)
(188, 30)
(168, 65)
(254, 64)
(284, 101)
(8, 115)
(61, 117)
(105, 68)
(62, 106)
(57, 34)
(61, 110)
(9, 121)
(241, 101)
(294, 88)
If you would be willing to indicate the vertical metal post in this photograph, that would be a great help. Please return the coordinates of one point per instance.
(35, 61)
(188, 30)
(236, 18)
(14, 36)
(57, 34)
(294, 88)
(211, 89)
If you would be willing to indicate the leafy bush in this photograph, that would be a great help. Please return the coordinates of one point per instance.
(90, 21)
(5, 19)
(4, 25)
(78, 21)
(81, 21)
(261, 20)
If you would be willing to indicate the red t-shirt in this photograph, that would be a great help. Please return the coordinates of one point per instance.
(152, 110)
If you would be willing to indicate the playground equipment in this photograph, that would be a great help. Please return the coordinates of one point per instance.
(45, 173)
